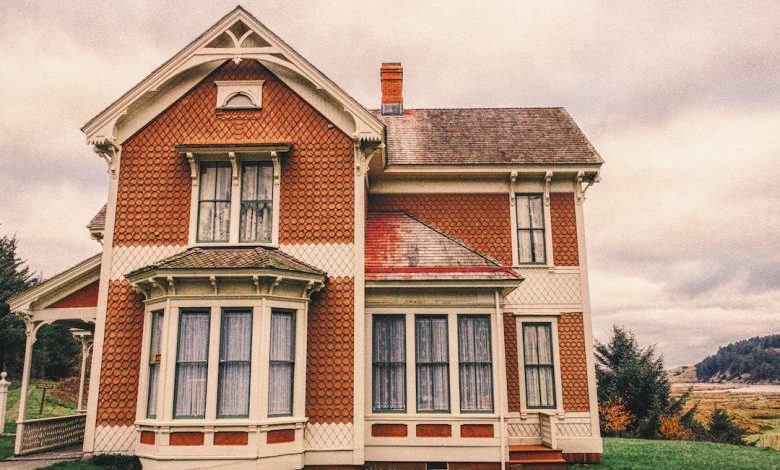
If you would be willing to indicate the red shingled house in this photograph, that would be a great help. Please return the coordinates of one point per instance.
(290, 279)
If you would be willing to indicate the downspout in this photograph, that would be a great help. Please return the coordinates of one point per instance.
(501, 378)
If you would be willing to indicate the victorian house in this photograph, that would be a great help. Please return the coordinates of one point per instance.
(290, 279)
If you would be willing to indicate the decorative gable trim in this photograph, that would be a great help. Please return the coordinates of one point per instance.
(229, 89)
(237, 36)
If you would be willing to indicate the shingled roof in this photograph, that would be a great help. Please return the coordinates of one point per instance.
(401, 247)
(98, 222)
(230, 258)
(488, 136)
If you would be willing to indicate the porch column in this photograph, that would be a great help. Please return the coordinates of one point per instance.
(85, 339)
(31, 330)
(3, 399)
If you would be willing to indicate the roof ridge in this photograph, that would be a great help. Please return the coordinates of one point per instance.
(448, 236)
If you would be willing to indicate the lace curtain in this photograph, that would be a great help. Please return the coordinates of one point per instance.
(214, 202)
(235, 362)
(256, 202)
(539, 370)
(433, 381)
(389, 368)
(192, 364)
(282, 356)
(476, 377)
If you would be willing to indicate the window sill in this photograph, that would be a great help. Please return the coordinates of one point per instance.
(431, 417)
(221, 423)
(232, 245)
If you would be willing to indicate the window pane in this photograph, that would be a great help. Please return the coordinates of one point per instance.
(224, 172)
(432, 363)
(530, 233)
(208, 182)
(206, 221)
(539, 370)
(538, 245)
(256, 205)
(523, 212)
(537, 219)
(389, 363)
(525, 251)
(239, 100)
(476, 378)
(192, 363)
(282, 356)
(214, 202)
(222, 221)
(249, 183)
(235, 349)
(154, 363)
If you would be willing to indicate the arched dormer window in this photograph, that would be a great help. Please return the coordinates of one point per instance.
(239, 94)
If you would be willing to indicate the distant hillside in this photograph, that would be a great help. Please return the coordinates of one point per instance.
(682, 374)
(749, 360)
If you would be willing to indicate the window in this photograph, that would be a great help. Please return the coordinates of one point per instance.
(282, 363)
(235, 349)
(389, 363)
(214, 202)
(476, 371)
(432, 356)
(192, 364)
(154, 363)
(530, 229)
(239, 100)
(539, 370)
(256, 202)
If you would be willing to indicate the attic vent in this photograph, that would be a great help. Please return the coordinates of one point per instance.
(239, 94)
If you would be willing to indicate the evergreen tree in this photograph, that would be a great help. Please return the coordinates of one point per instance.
(722, 429)
(15, 276)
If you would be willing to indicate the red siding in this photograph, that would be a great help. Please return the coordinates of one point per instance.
(564, 229)
(574, 368)
(85, 297)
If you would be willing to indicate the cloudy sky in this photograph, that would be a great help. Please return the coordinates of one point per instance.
(683, 103)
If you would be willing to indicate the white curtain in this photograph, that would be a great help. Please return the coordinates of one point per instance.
(214, 202)
(539, 370)
(433, 387)
(256, 202)
(192, 363)
(235, 362)
(389, 358)
(530, 225)
(154, 363)
(282, 356)
(476, 378)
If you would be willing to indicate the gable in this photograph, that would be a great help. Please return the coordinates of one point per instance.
(84, 297)
(237, 36)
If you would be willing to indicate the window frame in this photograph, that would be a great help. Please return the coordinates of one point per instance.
(291, 362)
(490, 363)
(404, 390)
(551, 366)
(222, 312)
(445, 317)
(256, 202)
(159, 313)
(213, 164)
(543, 229)
(182, 312)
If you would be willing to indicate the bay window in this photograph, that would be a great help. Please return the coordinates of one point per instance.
(235, 348)
(432, 356)
(155, 355)
(282, 363)
(539, 367)
(475, 363)
(192, 363)
(531, 246)
(389, 363)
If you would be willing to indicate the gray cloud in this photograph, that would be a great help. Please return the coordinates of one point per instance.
(682, 101)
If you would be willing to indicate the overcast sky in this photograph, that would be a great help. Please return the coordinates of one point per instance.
(682, 102)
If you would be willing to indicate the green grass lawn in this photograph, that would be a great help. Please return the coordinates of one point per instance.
(640, 454)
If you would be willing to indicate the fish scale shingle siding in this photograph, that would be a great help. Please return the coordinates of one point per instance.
(316, 206)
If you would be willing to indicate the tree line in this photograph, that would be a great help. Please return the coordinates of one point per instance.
(749, 360)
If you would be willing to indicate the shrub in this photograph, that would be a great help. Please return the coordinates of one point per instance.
(672, 428)
(615, 418)
(722, 429)
(116, 461)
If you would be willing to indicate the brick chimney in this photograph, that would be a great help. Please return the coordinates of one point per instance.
(392, 77)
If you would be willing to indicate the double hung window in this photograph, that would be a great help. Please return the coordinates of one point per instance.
(539, 369)
(389, 363)
(192, 364)
(433, 371)
(235, 349)
(530, 229)
(256, 202)
(282, 367)
(214, 202)
(155, 354)
(475, 362)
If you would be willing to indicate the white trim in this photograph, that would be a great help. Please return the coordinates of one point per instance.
(358, 272)
(57, 287)
(227, 89)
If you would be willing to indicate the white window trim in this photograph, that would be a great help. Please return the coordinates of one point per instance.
(252, 89)
(411, 369)
(259, 369)
(530, 187)
(553, 320)
(235, 196)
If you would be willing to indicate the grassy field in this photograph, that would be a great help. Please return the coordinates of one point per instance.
(639, 454)
(759, 414)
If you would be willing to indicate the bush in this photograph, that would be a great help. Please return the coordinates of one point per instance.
(614, 418)
(116, 461)
(723, 430)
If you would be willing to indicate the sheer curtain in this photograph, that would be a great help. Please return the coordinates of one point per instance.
(256, 202)
(530, 228)
(214, 202)
(476, 377)
(282, 364)
(235, 362)
(432, 351)
(389, 363)
(154, 363)
(192, 364)
(539, 368)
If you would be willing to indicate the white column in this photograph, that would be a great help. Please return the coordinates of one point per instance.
(31, 328)
(86, 348)
(3, 399)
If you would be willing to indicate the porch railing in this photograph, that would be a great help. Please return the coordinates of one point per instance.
(50, 433)
(547, 429)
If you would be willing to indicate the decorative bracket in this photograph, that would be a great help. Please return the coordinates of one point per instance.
(141, 290)
(256, 282)
(108, 151)
(277, 168)
(171, 285)
(193, 168)
(311, 288)
(579, 193)
(547, 181)
(234, 164)
(213, 281)
(512, 181)
(274, 284)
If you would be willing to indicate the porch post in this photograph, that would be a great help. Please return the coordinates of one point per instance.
(3, 399)
(85, 339)
(31, 329)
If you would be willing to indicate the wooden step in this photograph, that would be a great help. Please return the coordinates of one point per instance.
(535, 457)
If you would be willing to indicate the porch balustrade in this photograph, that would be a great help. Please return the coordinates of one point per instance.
(50, 433)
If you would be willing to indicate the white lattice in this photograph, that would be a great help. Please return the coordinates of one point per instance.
(573, 429)
(336, 259)
(523, 430)
(114, 439)
(128, 258)
(51, 433)
(542, 286)
(326, 436)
